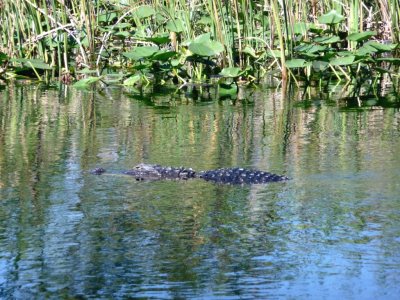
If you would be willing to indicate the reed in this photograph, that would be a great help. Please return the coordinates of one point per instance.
(52, 37)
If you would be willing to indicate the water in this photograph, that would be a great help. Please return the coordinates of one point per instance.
(332, 231)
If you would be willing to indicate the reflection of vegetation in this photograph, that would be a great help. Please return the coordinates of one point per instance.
(109, 229)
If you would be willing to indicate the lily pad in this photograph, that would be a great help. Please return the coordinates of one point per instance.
(296, 63)
(159, 40)
(122, 34)
(32, 63)
(132, 80)
(392, 60)
(175, 25)
(86, 82)
(342, 60)
(145, 11)
(231, 72)
(331, 18)
(107, 17)
(163, 55)
(249, 50)
(361, 36)
(320, 65)
(327, 39)
(141, 52)
(205, 47)
(300, 28)
(382, 47)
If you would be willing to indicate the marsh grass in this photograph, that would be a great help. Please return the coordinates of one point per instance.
(184, 40)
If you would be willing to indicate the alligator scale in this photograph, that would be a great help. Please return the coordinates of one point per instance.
(225, 175)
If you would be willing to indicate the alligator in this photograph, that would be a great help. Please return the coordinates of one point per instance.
(225, 175)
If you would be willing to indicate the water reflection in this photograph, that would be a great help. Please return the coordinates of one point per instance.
(333, 230)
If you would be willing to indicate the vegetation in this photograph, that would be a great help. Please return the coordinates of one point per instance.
(135, 42)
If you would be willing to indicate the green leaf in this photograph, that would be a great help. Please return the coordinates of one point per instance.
(300, 28)
(320, 65)
(296, 63)
(175, 62)
(175, 25)
(205, 47)
(249, 50)
(361, 36)
(202, 38)
(32, 63)
(231, 72)
(331, 18)
(86, 82)
(3, 57)
(132, 80)
(107, 17)
(86, 71)
(141, 52)
(163, 55)
(205, 20)
(123, 34)
(145, 11)
(365, 50)
(310, 49)
(159, 39)
(327, 39)
(392, 60)
(120, 26)
(274, 53)
(382, 47)
(342, 60)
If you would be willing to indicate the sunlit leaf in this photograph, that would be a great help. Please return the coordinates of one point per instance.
(320, 65)
(175, 25)
(122, 34)
(327, 39)
(392, 60)
(342, 60)
(141, 52)
(120, 26)
(205, 20)
(205, 47)
(296, 63)
(249, 50)
(361, 36)
(86, 71)
(300, 28)
(163, 55)
(132, 80)
(331, 18)
(159, 40)
(202, 38)
(107, 17)
(32, 63)
(231, 72)
(86, 82)
(382, 47)
(145, 11)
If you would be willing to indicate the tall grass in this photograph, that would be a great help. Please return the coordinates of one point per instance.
(260, 34)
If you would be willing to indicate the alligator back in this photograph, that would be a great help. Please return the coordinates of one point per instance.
(154, 172)
(240, 175)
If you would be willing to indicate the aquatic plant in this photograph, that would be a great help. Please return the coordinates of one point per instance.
(137, 42)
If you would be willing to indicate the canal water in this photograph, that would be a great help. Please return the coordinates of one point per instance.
(331, 232)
